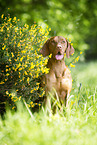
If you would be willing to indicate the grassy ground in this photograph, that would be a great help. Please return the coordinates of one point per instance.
(85, 73)
(75, 126)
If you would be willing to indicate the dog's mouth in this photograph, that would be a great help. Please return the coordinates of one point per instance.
(59, 56)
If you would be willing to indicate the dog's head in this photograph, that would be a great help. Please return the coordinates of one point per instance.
(57, 46)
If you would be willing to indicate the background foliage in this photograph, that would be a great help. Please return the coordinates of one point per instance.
(73, 19)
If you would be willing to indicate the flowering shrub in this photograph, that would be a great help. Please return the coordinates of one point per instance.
(21, 64)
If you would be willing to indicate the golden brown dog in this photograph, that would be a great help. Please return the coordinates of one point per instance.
(59, 76)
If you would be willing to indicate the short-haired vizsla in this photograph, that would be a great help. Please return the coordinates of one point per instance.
(59, 76)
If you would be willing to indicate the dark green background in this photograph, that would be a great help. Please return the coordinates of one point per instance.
(75, 19)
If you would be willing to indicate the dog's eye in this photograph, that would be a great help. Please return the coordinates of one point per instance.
(53, 42)
(63, 41)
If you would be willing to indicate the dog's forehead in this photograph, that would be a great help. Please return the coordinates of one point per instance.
(58, 38)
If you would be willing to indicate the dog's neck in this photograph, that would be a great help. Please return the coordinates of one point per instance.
(54, 64)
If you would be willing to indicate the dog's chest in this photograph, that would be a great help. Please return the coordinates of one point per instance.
(58, 68)
(59, 77)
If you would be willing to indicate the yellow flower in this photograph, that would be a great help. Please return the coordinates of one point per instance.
(72, 65)
(64, 54)
(43, 93)
(3, 47)
(9, 95)
(81, 52)
(28, 79)
(70, 40)
(16, 29)
(2, 16)
(12, 54)
(7, 74)
(31, 102)
(32, 65)
(19, 98)
(32, 105)
(15, 69)
(35, 52)
(13, 107)
(37, 83)
(9, 19)
(23, 51)
(9, 59)
(14, 18)
(77, 58)
(72, 53)
(31, 91)
(21, 58)
(7, 28)
(7, 92)
(26, 73)
(20, 32)
(20, 68)
(37, 88)
(37, 75)
(49, 29)
(46, 60)
(38, 69)
(72, 102)
(39, 104)
(8, 35)
(50, 55)
(7, 66)
(18, 65)
(2, 29)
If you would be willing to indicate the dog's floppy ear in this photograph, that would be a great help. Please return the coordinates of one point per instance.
(45, 49)
(69, 50)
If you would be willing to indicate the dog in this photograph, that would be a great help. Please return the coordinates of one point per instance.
(59, 76)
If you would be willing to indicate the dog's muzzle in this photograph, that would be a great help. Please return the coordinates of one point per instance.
(59, 56)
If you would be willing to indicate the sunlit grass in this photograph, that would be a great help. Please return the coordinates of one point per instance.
(85, 73)
(76, 126)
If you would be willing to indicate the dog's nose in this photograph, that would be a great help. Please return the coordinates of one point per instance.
(59, 46)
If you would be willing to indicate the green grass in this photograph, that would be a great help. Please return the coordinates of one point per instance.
(76, 126)
(85, 73)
